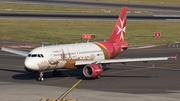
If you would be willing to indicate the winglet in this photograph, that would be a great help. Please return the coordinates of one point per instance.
(3, 46)
(175, 57)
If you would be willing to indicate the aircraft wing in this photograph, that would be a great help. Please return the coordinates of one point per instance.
(18, 52)
(109, 61)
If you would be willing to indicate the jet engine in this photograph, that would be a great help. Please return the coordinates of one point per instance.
(92, 70)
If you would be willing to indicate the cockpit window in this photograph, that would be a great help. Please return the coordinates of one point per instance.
(39, 55)
(33, 55)
(29, 55)
(36, 55)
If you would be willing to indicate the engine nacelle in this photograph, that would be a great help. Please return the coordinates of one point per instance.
(92, 70)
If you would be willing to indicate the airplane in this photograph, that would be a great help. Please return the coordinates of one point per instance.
(91, 56)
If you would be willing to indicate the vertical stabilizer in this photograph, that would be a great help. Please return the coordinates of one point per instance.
(119, 29)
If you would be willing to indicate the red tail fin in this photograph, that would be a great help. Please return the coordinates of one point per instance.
(119, 29)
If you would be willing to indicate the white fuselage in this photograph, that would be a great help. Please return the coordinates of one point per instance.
(62, 56)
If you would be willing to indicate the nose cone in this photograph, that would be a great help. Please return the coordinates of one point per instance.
(31, 64)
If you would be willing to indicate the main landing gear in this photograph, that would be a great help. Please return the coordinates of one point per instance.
(55, 73)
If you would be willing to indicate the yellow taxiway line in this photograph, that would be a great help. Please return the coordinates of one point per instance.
(61, 98)
(70, 89)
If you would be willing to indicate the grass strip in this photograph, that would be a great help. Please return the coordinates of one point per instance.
(70, 31)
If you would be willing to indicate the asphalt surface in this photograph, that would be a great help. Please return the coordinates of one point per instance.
(88, 3)
(160, 77)
(158, 12)
(84, 16)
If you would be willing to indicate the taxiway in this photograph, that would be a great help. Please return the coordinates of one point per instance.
(139, 80)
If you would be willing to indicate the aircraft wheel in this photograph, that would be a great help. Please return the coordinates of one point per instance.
(41, 76)
(42, 79)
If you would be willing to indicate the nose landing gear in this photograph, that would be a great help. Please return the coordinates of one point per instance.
(55, 73)
(41, 76)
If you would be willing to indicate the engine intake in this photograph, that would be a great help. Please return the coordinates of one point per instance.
(92, 70)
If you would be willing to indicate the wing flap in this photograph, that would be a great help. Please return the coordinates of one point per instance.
(122, 60)
(18, 52)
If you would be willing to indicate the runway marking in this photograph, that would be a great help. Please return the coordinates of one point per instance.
(61, 98)
(70, 89)
(163, 66)
(152, 66)
(132, 69)
(170, 68)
